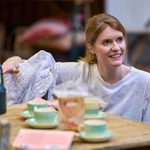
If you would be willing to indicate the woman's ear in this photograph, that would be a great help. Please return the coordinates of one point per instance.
(90, 48)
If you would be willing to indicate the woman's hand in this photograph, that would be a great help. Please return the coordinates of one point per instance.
(11, 65)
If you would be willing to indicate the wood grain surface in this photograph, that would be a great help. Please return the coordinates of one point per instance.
(129, 134)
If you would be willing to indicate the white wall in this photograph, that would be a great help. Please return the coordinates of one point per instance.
(132, 13)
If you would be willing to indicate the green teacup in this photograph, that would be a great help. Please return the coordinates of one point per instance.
(92, 106)
(36, 103)
(45, 115)
(94, 127)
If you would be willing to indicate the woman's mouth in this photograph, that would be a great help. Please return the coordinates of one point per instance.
(115, 56)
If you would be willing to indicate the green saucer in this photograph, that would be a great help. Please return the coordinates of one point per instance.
(26, 114)
(100, 115)
(34, 124)
(106, 136)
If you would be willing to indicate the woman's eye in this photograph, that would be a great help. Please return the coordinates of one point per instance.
(106, 42)
(120, 39)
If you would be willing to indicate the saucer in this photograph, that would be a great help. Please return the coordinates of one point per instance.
(26, 114)
(100, 115)
(101, 138)
(34, 124)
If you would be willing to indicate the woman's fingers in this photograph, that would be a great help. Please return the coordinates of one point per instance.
(10, 69)
(11, 65)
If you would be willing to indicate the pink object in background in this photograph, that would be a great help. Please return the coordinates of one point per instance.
(54, 103)
(45, 28)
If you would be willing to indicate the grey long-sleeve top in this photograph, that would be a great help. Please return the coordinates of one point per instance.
(129, 97)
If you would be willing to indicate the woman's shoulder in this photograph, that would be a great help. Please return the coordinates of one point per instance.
(140, 74)
(87, 67)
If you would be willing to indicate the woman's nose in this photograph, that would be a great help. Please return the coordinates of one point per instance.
(115, 46)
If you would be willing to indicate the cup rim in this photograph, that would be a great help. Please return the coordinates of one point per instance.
(37, 102)
(101, 122)
(43, 109)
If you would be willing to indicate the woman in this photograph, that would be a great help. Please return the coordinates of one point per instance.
(124, 89)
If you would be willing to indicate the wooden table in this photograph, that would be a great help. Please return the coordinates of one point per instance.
(129, 134)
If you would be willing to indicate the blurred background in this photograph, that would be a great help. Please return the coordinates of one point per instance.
(57, 26)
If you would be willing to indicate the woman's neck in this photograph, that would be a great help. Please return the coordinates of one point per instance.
(113, 75)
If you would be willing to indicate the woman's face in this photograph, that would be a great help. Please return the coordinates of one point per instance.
(110, 48)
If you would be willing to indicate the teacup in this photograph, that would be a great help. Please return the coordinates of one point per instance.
(36, 103)
(94, 127)
(45, 115)
(92, 106)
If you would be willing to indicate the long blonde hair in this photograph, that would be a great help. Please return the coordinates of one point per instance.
(94, 27)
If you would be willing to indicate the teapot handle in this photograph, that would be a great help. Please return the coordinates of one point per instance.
(1, 75)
